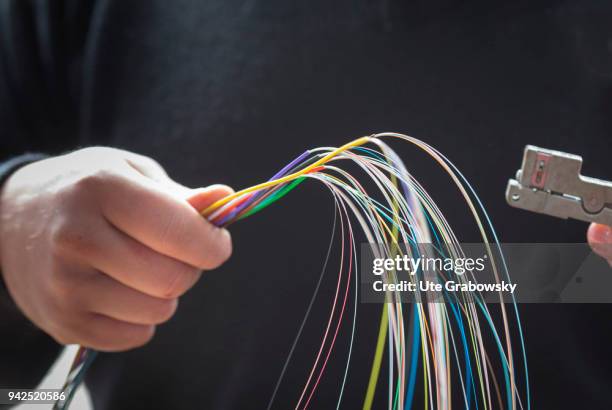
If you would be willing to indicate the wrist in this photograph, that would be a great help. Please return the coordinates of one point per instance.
(7, 169)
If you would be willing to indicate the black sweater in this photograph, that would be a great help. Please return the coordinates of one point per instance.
(229, 91)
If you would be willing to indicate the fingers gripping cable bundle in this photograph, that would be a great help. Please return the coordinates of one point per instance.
(445, 342)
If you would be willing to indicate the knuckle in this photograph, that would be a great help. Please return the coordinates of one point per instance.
(63, 237)
(59, 231)
(88, 183)
(71, 233)
(68, 236)
(94, 181)
(151, 163)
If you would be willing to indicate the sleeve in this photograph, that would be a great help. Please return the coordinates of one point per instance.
(41, 45)
(41, 49)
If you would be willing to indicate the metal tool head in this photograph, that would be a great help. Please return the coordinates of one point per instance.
(549, 182)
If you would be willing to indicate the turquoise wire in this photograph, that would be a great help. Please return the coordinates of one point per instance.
(505, 265)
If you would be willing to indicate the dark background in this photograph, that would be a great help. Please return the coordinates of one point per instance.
(230, 91)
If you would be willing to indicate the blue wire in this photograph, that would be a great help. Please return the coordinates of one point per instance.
(505, 265)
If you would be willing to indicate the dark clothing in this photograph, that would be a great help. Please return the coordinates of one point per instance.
(230, 91)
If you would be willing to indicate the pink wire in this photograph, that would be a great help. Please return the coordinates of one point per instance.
(348, 285)
(329, 322)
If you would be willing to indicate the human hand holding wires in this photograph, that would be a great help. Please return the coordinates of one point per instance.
(102, 245)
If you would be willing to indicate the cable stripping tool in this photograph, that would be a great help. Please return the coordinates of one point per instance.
(549, 182)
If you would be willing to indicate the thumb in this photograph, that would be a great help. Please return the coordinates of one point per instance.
(600, 239)
(202, 198)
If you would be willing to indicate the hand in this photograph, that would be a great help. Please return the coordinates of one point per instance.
(96, 246)
(600, 239)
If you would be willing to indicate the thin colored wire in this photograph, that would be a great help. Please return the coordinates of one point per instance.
(306, 315)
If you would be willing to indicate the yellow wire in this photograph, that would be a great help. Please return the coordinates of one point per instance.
(287, 178)
(384, 319)
(376, 364)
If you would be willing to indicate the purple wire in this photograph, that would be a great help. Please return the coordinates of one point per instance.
(257, 195)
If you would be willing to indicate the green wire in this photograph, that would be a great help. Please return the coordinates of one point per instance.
(397, 391)
(273, 198)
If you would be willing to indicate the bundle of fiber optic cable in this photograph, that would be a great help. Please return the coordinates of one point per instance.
(446, 341)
